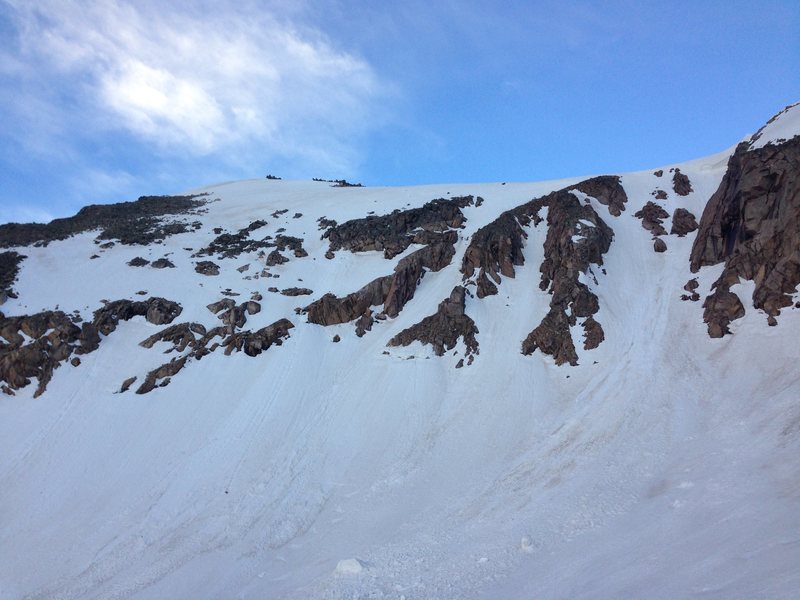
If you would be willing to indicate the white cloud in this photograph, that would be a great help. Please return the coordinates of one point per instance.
(202, 79)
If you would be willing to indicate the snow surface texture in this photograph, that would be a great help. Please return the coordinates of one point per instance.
(663, 466)
(782, 127)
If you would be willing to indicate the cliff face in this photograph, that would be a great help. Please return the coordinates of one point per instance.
(752, 224)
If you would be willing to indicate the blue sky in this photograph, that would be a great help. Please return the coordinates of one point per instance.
(109, 100)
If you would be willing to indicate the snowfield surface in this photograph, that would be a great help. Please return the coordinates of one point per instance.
(665, 465)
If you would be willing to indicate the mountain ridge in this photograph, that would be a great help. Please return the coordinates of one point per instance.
(449, 385)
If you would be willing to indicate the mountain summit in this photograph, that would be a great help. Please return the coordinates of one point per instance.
(280, 389)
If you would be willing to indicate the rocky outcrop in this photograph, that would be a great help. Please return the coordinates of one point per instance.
(9, 269)
(652, 216)
(233, 315)
(296, 291)
(138, 261)
(576, 238)
(139, 222)
(157, 311)
(552, 336)
(391, 291)
(496, 248)
(443, 329)
(680, 183)
(683, 222)
(691, 287)
(607, 190)
(332, 310)
(659, 245)
(200, 343)
(207, 267)
(276, 258)
(395, 232)
(180, 336)
(752, 224)
(54, 337)
(162, 263)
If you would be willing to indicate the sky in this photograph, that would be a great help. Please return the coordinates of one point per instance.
(108, 100)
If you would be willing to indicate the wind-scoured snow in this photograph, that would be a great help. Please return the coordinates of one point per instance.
(663, 466)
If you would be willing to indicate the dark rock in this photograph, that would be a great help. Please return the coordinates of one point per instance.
(297, 215)
(658, 173)
(243, 268)
(442, 329)
(607, 190)
(660, 194)
(336, 339)
(721, 307)
(393, 291)
(162, 263)
(652, 216)
(752, 224)
(659, 245)
(325, 223)
(330, 310)
(180, 336)
(75, 362)
(395, 232)
(276, 258)
(296, 291)
(107, 245)
(138, 261)
(593, 333)
(136, 222)
(364, 323)
(9, 269)
(552, 336)
(164, 372)
(252, 307)
(224, 304)
(683, 222)
(206, 267)
(126, 385)
(681, 183)
(254, 343)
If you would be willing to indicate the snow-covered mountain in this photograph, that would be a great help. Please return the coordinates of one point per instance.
(584, 388)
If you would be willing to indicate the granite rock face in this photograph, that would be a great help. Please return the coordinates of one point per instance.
(752, 225)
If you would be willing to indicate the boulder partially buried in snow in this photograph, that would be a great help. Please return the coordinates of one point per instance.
(350, 566)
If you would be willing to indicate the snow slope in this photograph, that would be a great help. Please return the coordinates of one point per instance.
(663, 466)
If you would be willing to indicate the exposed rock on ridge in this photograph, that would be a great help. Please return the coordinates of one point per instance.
(130, 222)
(752, 224)
(395, 232)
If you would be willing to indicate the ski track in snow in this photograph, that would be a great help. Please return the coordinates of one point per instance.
(509, 478)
